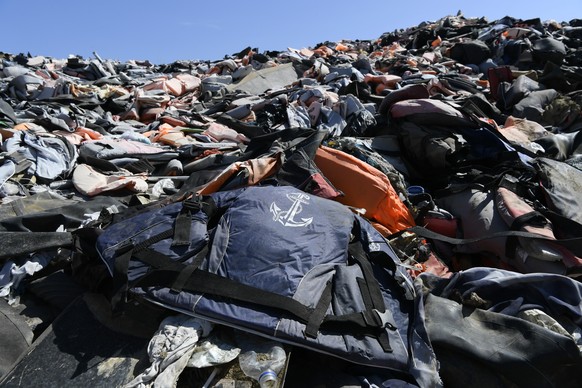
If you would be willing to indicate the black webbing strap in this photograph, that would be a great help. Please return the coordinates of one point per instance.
(213, 212)
(365, 294)
(372, 289)
(183, 223)
(187, 271)
(182, 227)
(318, 314)
(120, 286)
(382, 259)
(573, 244)
(154, 239)
(381, 336)
(370, 322)
(153, 258)
(532, 218)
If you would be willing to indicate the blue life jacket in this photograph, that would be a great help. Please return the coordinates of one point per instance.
(281, 263)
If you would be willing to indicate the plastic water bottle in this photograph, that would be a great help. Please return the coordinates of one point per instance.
(261, 359)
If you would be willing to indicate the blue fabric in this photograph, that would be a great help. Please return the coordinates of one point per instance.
(512, 292)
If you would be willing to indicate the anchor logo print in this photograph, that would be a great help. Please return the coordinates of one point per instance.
(287, 217)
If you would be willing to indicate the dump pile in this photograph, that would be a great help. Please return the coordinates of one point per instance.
(406, 207)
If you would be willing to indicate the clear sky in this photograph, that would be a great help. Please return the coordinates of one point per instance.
(167, 30)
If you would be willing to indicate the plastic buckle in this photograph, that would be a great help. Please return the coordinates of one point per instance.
(125, 247)
(385, 319)
(192, 203)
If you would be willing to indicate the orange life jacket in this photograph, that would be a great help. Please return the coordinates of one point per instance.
(365, 187)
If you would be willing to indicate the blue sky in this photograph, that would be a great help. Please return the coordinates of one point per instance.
(167, 30)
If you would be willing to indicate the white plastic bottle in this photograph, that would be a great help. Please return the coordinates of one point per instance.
(261, 359)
